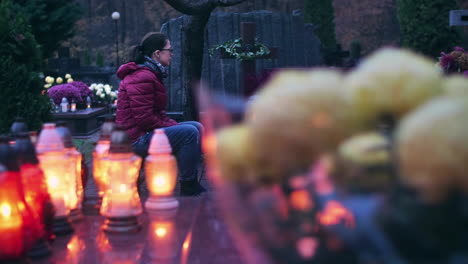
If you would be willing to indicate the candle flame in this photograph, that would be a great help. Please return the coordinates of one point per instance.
(123, 188)
(159, 180)
(5, 210)
(160, 232)
(53, 182)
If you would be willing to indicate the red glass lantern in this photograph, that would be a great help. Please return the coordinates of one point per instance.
(35, 192)
(19, 229)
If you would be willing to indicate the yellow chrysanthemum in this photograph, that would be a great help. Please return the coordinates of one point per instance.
(432, 145)
(296, 117)
(456, 85)
(391, 81)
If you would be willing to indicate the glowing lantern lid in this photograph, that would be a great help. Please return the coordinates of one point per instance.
(159, 143)
(19, 126)
(120, 142)
(25, 150)
(65, 134)
(7, 155)
(107, 128)
(49, 140)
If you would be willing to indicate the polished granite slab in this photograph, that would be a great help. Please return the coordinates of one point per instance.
(193, 234)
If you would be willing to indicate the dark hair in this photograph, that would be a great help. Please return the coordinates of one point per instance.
(150, 42)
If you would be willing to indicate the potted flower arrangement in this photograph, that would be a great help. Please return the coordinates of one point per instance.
(72, 90)
(103, 93)
(455, 61)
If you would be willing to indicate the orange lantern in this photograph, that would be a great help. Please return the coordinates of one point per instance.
(75, 188)
(54, 163)
(121, 203)
(35, 192)
(19, 228)
(100, 152)
(161, 173)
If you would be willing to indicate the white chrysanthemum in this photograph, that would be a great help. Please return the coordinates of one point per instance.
(102, 95)
(99, 92)
(432, 147)
(67, 76)
(69, 80)
(113, 95)
(391, 81)
(59, 80)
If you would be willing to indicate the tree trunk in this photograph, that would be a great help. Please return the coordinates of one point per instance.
(193, 33)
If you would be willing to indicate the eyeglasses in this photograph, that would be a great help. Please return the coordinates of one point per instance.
(170, 50)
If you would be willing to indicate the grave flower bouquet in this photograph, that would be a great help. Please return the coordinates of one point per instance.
(353, 206)
(103, 93)
(455, 61)
(73, 91)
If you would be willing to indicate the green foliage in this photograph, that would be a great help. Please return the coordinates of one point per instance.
(52, 21)
(99, 59)
(425, 27)
(235, 49)
(19, 79)
(321, 14)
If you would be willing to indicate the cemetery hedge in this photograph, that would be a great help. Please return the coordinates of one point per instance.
(20, 82)
(424, 25)
(52, 21)
(321, 14)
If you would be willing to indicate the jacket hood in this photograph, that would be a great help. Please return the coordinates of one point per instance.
(126, 69)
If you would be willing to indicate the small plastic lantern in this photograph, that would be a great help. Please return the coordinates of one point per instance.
(64, 105)
(88, 102)
(121, 203)
(18, 127)
(75, 187)
(19, 228)
(54, 163)
(161, 173)
(100, 152)
(35, 192)
(73, 106)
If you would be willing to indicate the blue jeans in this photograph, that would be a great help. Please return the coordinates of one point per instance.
(185, 140)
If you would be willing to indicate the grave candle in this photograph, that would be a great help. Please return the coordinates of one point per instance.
(161, 173)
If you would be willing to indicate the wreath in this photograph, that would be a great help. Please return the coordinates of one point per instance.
(236, 49)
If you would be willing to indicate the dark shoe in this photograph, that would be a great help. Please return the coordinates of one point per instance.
(191, 188)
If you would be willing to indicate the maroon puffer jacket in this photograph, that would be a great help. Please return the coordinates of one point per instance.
(142, 99)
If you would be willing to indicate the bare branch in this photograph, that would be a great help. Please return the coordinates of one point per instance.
(192, 7)
(228, 2)
(197, 7)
